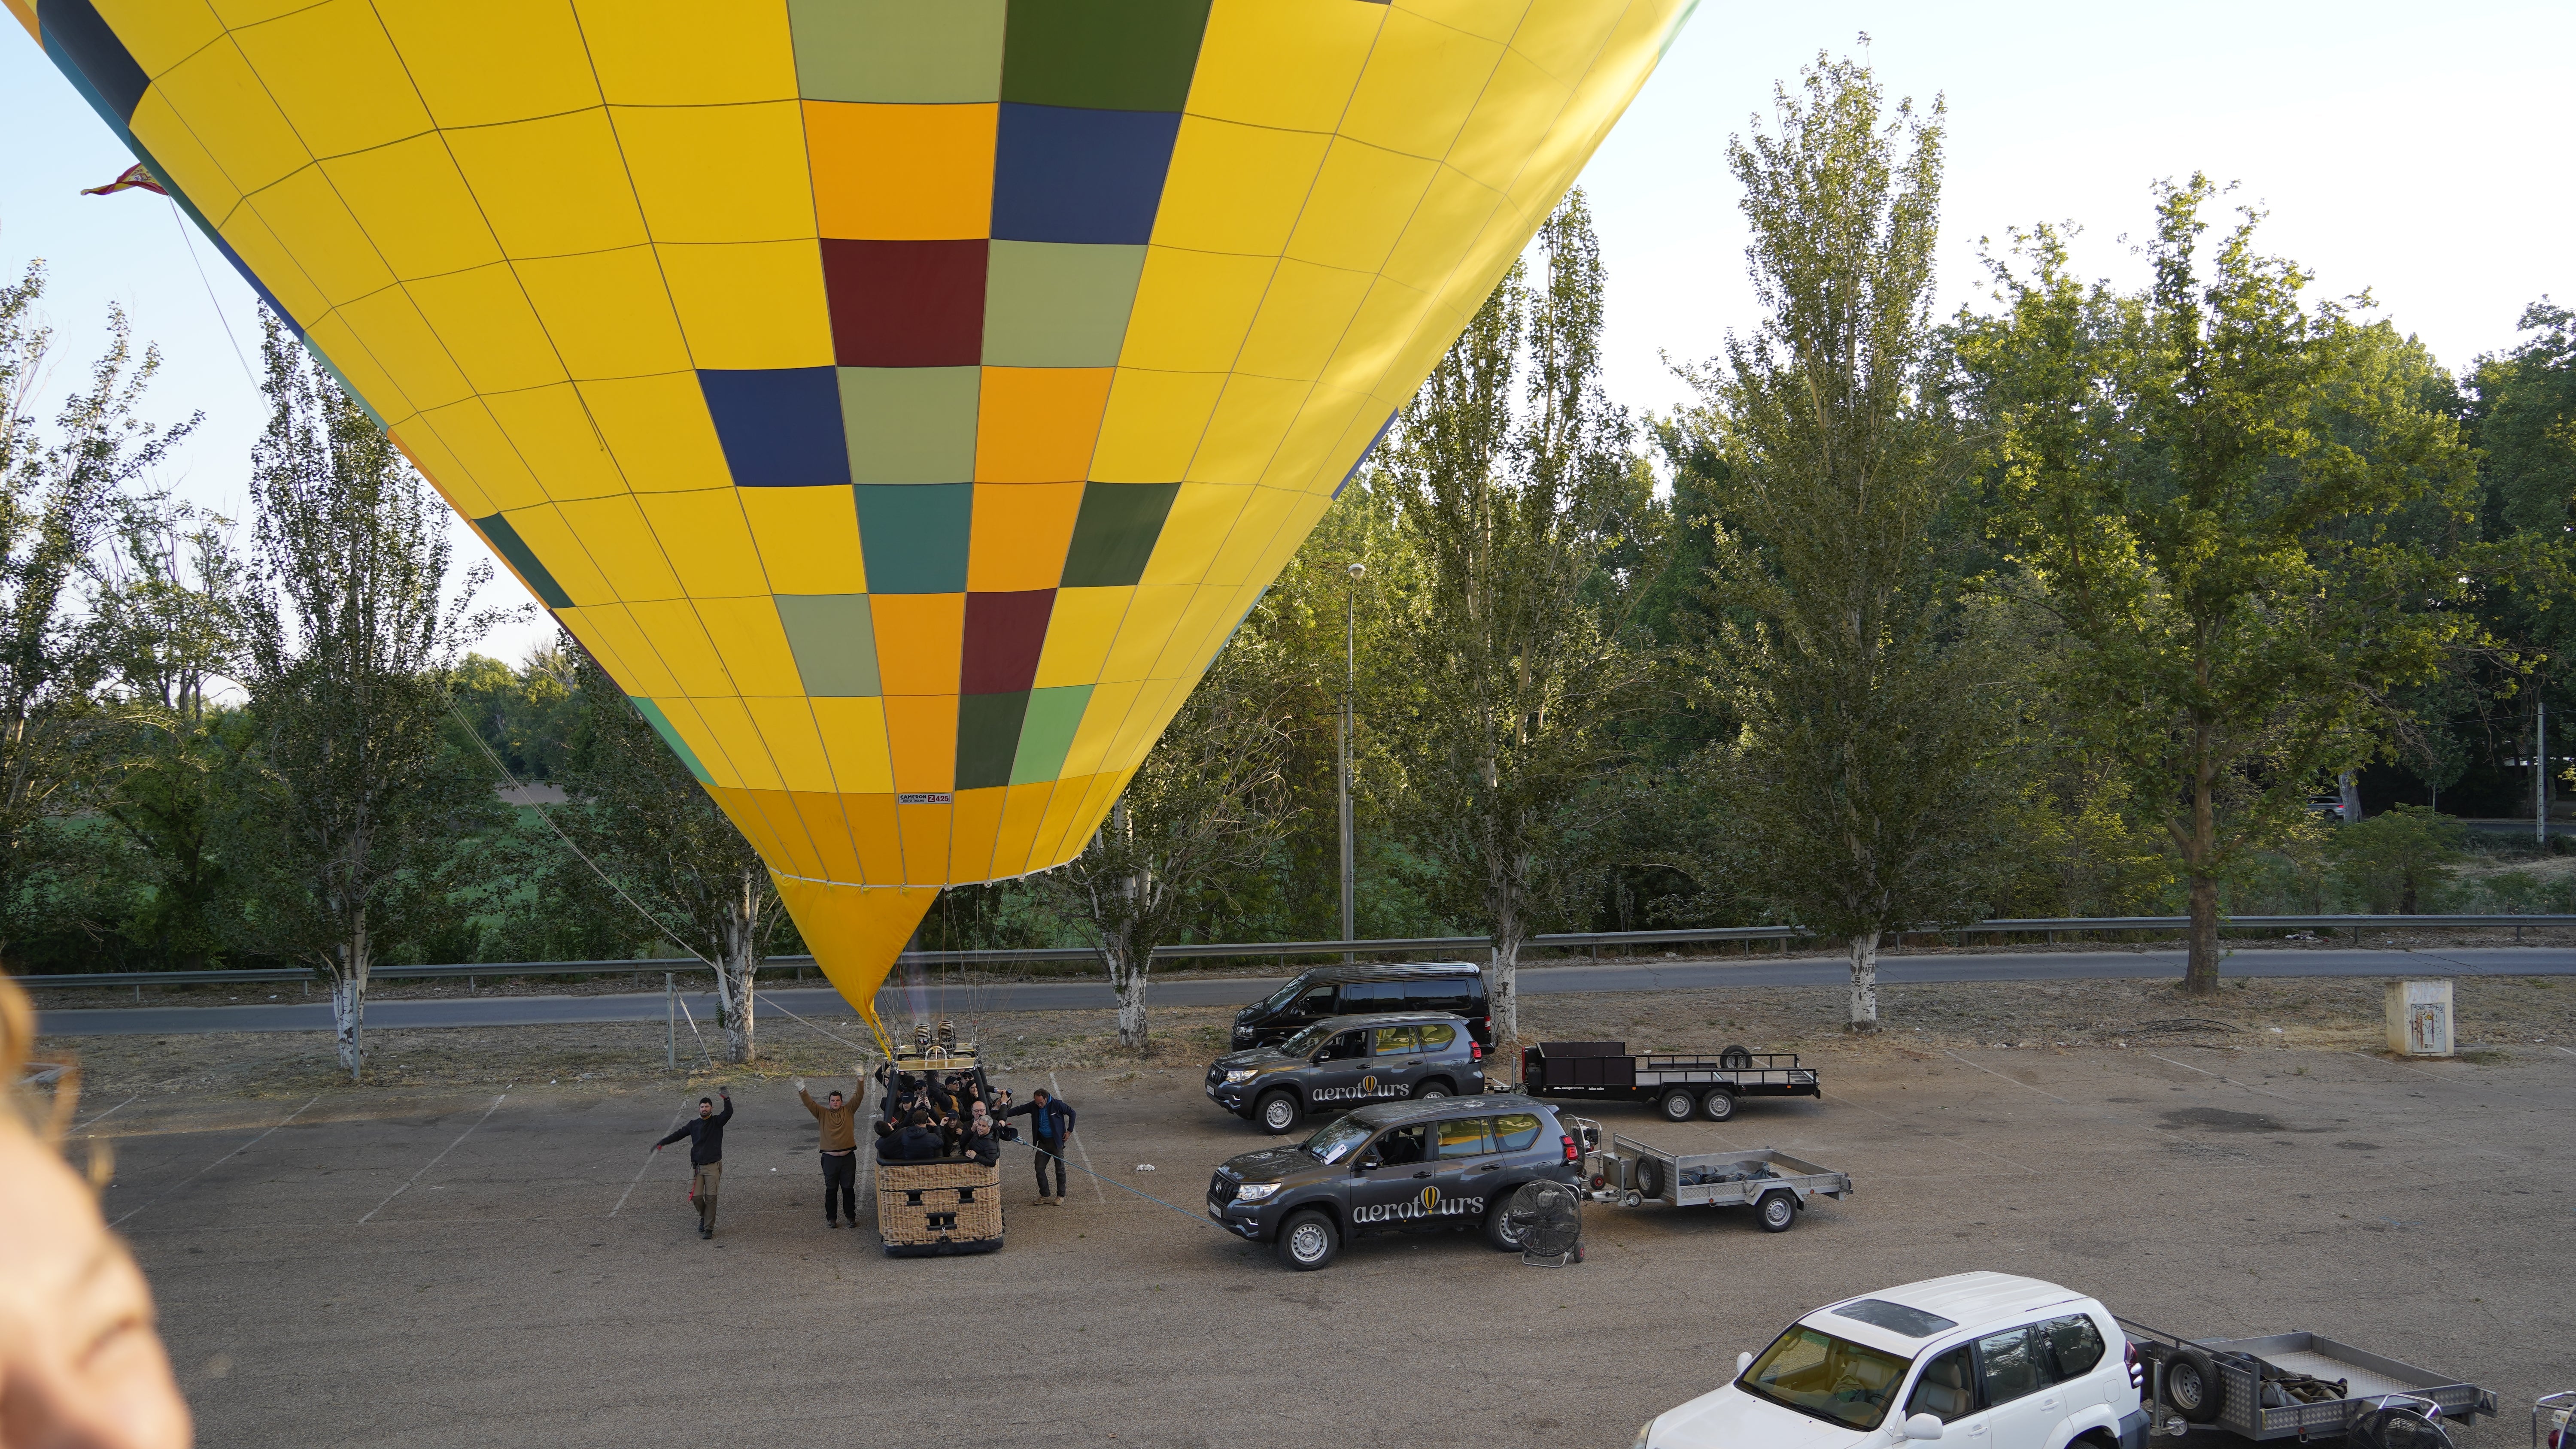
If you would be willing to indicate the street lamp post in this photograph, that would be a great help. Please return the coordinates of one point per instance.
(1342, 782)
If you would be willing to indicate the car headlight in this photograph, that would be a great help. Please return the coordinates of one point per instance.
(1239, 1076)
(1256, 1192)
(1644, 1430)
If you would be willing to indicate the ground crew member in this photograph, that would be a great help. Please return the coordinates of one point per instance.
(706, 1156)
(840, 1150)
(1050, 1128)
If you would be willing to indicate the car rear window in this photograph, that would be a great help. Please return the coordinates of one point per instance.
(1515, 1130)
(1464, 1137)
(2068, 1348)
(1894, 1317)
(1394, 1039)
(1435, 1036)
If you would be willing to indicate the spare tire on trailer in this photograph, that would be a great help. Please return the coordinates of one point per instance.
(2192, 1385)
(1650, 1177)
(1735, 1059)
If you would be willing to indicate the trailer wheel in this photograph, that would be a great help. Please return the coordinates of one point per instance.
(2192, 1385)
(1277, 1113)
(1719, 1104)
(1778, 1211)
(1679, 1104)
(1735, 1059)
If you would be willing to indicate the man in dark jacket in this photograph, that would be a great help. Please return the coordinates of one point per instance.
(917, 1142)
(1050, 1128)
(706, 1156)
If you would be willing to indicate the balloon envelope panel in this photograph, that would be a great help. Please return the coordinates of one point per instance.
(903, 401)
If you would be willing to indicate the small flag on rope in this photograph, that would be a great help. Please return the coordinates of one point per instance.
(133, 176)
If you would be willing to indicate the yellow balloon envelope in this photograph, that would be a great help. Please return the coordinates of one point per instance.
(902, 399)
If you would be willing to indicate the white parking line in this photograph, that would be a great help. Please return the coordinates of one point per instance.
(110, 1112)
(2231, 1081)
(211, 1166)
(1078, 1145)
(433, 1162)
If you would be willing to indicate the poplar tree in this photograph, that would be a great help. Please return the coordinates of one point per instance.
(1515, 489)
(355, 796)
(1862, 793)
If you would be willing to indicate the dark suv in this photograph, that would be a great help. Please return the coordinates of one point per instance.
(1348, 1061)
(1456, 987)
(1451, 1163)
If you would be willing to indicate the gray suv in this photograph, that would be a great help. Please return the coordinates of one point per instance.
(1396, 1167)
(1349, 1061)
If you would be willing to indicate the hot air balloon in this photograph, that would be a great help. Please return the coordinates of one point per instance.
(902, 400)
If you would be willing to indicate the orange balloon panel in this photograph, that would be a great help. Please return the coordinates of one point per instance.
(902, 401)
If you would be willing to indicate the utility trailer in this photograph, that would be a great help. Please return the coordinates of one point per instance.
(1680, 1085)
(1773, 1183)
(2288, 1385)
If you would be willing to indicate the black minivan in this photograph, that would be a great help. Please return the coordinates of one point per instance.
(1456, 987)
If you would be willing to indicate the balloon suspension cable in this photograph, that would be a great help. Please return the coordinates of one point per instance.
(180, 219)
(691, 1018)
(854, 1046)
(477, 736)
(1198, 1218)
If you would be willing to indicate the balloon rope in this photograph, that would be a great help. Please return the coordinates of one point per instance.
(792, 1016)
(477, 736)
(190, 242)
(1198, 1218)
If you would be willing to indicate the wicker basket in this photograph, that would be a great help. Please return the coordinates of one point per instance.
(930, 1208)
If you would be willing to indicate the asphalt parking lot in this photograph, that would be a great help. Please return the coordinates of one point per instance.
(515, 1268)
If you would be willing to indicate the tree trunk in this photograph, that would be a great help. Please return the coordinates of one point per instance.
(2200, 863)
(737, 964)
(2200, 977)
(1130, 975)
(2348, 798)
(349, 1004)
(1503, 989)
(1864, 982)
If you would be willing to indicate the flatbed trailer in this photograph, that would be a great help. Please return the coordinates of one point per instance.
(1774, 1184)
(2286, 1385)
(1680, 1085)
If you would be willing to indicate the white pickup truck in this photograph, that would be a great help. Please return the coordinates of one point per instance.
(1975, 1360)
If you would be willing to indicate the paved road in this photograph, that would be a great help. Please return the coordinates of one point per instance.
(900, 1003)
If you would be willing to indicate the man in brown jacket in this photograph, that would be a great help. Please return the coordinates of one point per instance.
(840, 1157)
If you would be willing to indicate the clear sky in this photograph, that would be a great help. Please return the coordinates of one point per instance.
(2413, 150)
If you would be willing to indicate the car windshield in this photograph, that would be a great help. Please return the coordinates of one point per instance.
(1826, 1377)
(1306, 1043)
(1285, 994)
(1338, 1140)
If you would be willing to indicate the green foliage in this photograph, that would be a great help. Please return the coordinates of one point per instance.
(350, 793)
(2398, 863)
(1867, 788)
(2219, 493)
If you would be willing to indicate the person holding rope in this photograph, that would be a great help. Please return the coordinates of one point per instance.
(705, 1132)
(836, 1116)
(1050, 1128)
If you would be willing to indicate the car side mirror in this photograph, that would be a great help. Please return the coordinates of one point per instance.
(1925, 1426)
(1743, 1361)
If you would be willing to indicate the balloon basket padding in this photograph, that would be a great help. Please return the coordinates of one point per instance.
(929, 1209)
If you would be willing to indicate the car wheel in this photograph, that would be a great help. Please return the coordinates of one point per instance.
(1308, 1241)
(1431, 1089)
(1277, 1113)
(1718, 1105)
(1678, 1105)
(1499, 1233)
(1735, 1059)
(1778, 1212)
(2192, 1385)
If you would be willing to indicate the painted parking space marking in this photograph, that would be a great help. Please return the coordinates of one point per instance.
(433, 1162)
(110, 1112)
(211, 1166)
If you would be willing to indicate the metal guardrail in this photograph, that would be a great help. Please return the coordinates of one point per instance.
(1281, 950)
